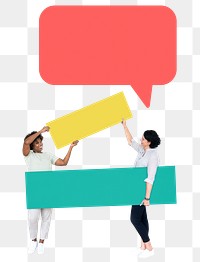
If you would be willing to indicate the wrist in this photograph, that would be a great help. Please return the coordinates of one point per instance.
(147, 198)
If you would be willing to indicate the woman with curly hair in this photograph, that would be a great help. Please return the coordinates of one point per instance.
(36, 160)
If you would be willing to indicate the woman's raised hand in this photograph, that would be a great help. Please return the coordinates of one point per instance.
(45, 129)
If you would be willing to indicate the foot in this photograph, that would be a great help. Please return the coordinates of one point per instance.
(32, 247)
(140, 250)
(142, 247)
(146, 253)
(148, 245)
(41, 248)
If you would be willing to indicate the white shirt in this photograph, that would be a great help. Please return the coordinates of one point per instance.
(146, 158)
(40, 161)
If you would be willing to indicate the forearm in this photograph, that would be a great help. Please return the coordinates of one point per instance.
(148, 190)
(128, 135)
(31, 138)
(67, 157)
(64, 162)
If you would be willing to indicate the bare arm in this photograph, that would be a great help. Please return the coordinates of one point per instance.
(65, 160)
(30, 139)
(127, 132)
(148, 194)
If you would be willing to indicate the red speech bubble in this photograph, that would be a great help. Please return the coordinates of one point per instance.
(108, 45)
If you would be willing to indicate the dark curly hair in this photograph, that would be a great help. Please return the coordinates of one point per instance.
(32, 133)
(152, 136)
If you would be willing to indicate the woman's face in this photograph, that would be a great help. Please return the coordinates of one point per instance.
(37, 146)
(145, 143)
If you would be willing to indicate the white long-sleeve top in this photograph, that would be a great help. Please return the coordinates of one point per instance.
(146, 158)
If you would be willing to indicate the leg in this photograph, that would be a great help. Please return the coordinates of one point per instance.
(147, 245)
(136, 219)
(145, 222)
(137, 216)
(45, 224)
(33, 217)
(145, 219)
(142, 247)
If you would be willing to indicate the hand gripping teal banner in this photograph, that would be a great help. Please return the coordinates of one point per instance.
(98, 187)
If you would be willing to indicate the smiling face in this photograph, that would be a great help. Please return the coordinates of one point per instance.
(38, 146)
(145, 143)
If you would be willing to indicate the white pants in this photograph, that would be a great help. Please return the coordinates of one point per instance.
(33, 218)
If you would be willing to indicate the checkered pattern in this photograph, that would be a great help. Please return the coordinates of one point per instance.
(27, 103)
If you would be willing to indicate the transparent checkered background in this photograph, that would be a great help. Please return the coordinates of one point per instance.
(27, 103)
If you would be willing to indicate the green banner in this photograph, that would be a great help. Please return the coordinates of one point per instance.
(98, 187)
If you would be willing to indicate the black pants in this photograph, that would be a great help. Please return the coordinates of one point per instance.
(140, 221)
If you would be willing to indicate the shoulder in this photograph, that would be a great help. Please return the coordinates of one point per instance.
(48, 155)
(154, 151)
(153, 154)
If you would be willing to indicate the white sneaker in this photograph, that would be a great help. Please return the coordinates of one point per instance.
(139, 250)
(40, 248)
(32, 247)
(146, 253)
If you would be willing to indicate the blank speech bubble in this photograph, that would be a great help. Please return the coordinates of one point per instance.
(108, 45)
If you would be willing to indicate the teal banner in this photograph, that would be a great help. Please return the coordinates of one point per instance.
(98, 187)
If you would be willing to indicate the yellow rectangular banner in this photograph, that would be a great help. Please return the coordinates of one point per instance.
(89, 120)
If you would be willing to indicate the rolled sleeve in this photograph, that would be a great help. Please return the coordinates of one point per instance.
(148, 180)
(53, 158)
